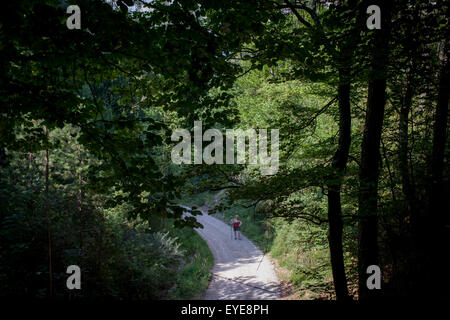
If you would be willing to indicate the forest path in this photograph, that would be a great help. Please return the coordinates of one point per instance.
(241, 271)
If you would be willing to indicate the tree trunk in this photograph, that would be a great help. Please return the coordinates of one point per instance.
(370, 152)
(80, 209)
(80, 197)
(437, 219)
(439, 143)
(3, 158)
(409, 270)
(47, 213)
(407, 187)
(30, 183)
(339, 164)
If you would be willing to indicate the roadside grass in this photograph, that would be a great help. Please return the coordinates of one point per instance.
(193, 277)
(152, 259)
(302, 249)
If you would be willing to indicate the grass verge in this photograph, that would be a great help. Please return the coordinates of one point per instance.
(193, 277)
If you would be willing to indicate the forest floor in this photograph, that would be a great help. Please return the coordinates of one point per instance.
(241, 271)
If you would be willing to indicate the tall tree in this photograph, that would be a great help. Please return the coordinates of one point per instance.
(344, 61)
(438, 220)
(48, 218)
(370, 149)
(339, 163)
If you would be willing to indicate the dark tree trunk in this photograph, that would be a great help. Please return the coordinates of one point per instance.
(30, 182)
(405, 108)
(80, 209)
(370, 152)
(47, 213)
(437, 219)
(339, 164)
(409, 270)
(80, 198)
(368, 178)
(439, 143)
(3, 158)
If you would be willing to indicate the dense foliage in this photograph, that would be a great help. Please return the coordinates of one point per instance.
(86, 118)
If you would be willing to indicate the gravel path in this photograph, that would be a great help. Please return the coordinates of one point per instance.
(240, 271)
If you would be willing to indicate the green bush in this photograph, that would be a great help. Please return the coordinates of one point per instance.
(119, 258)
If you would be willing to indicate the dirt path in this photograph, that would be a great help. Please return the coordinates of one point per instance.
(240, 271)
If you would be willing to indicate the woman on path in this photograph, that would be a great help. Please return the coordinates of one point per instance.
(236, 227)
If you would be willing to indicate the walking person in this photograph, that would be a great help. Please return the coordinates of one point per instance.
(236, 227)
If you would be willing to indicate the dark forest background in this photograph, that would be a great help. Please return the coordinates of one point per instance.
(86, 116)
